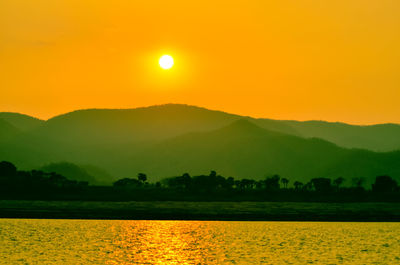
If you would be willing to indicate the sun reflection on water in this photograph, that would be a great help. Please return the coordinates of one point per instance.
(25, 241)
(161, 242)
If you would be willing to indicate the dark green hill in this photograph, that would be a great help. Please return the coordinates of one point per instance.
(20, 121)
(107, 127)
(243, 149)
(7, 131)
(132, 125)
(71, 171)
(381, 137)
(171, 139)
(165, 121)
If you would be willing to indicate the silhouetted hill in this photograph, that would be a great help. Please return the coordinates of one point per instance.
(172, 139)
(121, 126)
(243, 149)
(21, 121)
(164, 121)
(71, 171)
(132, 125)
(381, 137)
(7, 131)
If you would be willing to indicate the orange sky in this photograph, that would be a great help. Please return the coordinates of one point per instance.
(285, 59)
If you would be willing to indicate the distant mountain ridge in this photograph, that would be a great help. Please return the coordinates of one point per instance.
(246, 150)
(380, 137)
(126, 125)
(169, 139)
(163, 121)
(21, 121)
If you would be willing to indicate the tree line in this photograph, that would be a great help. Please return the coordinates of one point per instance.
(21, 184)
(215, 182)
(36, 184)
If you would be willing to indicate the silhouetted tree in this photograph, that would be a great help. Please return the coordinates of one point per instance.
(208, 182)
(142, 177)
(285, 182)
(7, 170)
(229, 182)
(38, 174)
(246, 184)
(358, 182)
(308, 186)
(259, 184)
(272, 183)
(321, 184)
(58, 180)
(238, 184)
(186, 180)
(337, 182)
(297, 185)
(384, 184)
(37, 184)
(127, 182)
(181, 182)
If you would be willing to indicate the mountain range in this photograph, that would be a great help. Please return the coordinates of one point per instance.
(172, 139)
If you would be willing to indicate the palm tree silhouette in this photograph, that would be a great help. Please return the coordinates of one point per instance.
(285, 182)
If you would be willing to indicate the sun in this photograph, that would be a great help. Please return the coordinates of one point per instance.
(166, 62)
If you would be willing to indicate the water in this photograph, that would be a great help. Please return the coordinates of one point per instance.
(26, 241)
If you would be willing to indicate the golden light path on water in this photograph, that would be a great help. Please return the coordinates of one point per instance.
(25, 241)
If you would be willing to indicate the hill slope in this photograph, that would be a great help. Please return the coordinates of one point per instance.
(172, 139)
(132, 125)
(7, 131)
(21, 121)
(243, 149)
(121, 126)
(381, 137)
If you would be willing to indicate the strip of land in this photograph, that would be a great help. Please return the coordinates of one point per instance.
(173, 210)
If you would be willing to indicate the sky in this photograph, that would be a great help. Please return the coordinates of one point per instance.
(282, 59)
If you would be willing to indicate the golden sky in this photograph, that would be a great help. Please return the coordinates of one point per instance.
(284, 59)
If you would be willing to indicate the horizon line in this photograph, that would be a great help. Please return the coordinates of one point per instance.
(200, 107)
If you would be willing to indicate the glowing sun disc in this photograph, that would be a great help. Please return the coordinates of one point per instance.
(166, 62)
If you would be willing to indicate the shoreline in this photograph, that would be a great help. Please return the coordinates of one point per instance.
(202, 211)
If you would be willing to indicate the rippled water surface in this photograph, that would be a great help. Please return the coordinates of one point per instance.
(25, 241)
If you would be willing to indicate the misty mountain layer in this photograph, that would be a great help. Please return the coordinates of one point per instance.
(172, 139)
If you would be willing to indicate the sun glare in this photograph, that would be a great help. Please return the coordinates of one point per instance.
(166, 62)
